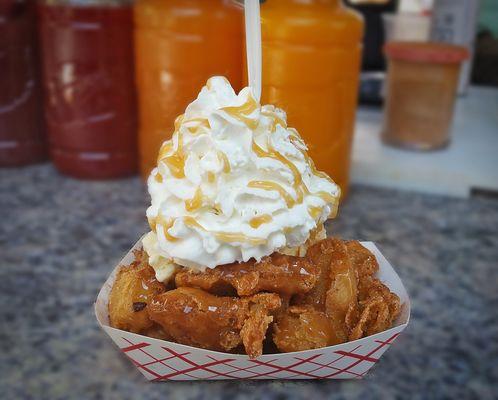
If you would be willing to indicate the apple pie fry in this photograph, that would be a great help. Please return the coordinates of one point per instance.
(318, 318)
(194, 317)
(131, 294)
(378, 308)
(363, 260)
(303, 328)
(278, 273)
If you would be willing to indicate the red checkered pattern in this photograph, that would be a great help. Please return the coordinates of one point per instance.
(158, 361)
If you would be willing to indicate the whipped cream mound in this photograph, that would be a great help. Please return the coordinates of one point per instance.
(233, 183)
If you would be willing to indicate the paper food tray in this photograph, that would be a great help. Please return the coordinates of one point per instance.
(160, 360)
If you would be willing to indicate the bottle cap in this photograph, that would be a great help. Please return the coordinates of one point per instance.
(428, 52)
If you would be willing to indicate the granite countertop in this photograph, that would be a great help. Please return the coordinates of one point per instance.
(60, 238)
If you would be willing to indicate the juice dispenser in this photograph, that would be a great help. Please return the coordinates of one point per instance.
(311, 65)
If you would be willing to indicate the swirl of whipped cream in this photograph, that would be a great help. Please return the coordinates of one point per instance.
(233, 183)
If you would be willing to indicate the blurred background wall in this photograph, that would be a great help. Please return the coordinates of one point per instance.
(95, 85)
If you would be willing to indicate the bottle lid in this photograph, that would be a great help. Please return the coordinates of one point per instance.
(429, 52)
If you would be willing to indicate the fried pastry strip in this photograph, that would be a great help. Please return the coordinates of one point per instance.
(131, 293)
(363, 260)
(347, 302)
(194, 317)
(336, 291)
(341, 302)
(378, 308)
(303, 328)
(278, 273)
(318, 318)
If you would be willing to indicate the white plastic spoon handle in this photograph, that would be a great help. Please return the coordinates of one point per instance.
(253, 46)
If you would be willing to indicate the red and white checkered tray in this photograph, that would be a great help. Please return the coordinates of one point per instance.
(160, 360)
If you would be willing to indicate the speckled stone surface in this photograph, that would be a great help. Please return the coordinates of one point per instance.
(60, 238)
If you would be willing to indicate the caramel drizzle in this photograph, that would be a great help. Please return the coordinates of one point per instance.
(152, 223)
(326, 197)
(299, 185)
(158, 177)
(191, 222)
(295, 138)
(314, 212)
(228, 237)
(195, 202)
(256, 222)
(165, 224)
(200, 123)
(267, 185)
(175, 161)
(226, 163)
(242, 112)
(225, 236)
(211, 176)
(176, 164)
(279, 157)
(301, 191)
(275, 120)
(166, 148)
(179, 121)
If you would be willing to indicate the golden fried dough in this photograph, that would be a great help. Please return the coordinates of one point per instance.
(362, 258)
(303, 328)
(194, 317)
(318, 318)
(131, 293)
(342, 297)
(157, 332)
(378, 308)
(278, 273)
(253, 332)
(321, 255)
(327, 297)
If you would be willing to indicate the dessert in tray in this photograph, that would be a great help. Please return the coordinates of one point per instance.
(237, 259)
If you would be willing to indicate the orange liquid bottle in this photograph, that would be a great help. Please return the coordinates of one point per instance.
(311, 64)
(179, 44)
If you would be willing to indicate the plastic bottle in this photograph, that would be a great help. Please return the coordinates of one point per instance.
(311, 66)
(89, 92)
(179, 45)
(22, 135)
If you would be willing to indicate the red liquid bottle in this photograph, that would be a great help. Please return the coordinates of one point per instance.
(22, 137)
(89, 91)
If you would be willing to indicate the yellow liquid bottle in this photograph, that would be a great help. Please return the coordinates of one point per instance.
(311, 64)
(179, 44)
